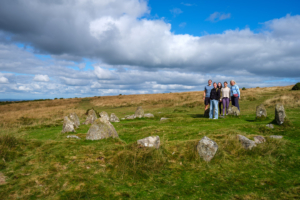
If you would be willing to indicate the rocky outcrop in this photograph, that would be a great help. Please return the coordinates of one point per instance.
(261, 111)
(100, 129)
(104, 115)
(151, 141)
(68, 125)
(91, 117)
(279, 114)
(207, 148)
(113, 118)
(139, 113)
(232, 110)
(148, 115)
(246, 143)
(259, 139)
(74, 118)
(206, 113)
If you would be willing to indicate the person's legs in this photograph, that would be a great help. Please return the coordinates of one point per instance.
(224, 105)
(232, 101)
(237, 103)
(215, 102)
(220, 106)
(211, 110)
(227, 105)
(206, 102)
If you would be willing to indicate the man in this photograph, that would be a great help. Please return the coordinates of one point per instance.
(206, 95)
(214, 101)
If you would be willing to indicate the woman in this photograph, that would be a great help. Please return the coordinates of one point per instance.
(225, 97)
(220, 102)
(214, 100)
(235, 94)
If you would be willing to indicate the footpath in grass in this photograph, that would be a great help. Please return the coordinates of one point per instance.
(41, 163)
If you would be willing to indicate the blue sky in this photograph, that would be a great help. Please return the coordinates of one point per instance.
(95, 48)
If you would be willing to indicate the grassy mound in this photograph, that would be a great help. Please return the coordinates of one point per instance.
(296, 87)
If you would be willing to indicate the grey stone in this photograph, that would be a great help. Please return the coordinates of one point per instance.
(276, 136)
(68, 125)
(100, 129)
(91, 117)
(206, 113)
(2, 179)
(149, 115)
(139, 113)
(259, 139)
(151, 141)
(246, 143)
(270, 126)
(232, 110)
(104, 115)
(261, 111)
(207, 148)
(74, 118)
(122, 118)
(163, 118)
(279, 114)
(130, 116)
(73, 136)
(113, 118)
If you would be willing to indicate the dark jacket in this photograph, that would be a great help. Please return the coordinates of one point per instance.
(215, 94)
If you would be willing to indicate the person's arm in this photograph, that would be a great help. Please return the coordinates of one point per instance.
(238, 90)
(218, 94)
(229, 92)
(222, 92)
(204, 94)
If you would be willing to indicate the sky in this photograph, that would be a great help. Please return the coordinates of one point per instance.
(81, 48)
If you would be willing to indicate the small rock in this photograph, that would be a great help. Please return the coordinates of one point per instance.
(68, 125)
(73, 136)
(74, 118)
(139, 113)
(279, 113)
(261, 111)
(163, 118)
(207, 148)
(276, 136)
(91, 117)
(100, 129)
(206, 113)
(2, 179)
(270, 126)
(130, 116)
(113, 118)
(122, 118)
(246, 143)
(148, 115)
(259, 139)
(232, 110)
(151, 141)
(104, 115)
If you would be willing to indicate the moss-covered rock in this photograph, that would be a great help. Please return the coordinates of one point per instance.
(261, 112)
(100, 129)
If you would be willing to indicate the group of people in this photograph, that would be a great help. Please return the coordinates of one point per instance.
(216, 95)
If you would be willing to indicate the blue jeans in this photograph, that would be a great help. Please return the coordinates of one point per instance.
(213, 108)
(235, 102)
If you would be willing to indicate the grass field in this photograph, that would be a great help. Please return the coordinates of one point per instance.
(38, 162)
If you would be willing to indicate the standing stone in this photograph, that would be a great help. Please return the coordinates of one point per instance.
(100, 129)
(259, 139)
(68, 125)
(261, 111)
(113, 118)
(74, 118)
(91, 117)
(279, 113)
(232, 110)
(149, 115)
(104, 115)
(206, 113)
(130, 116)
(139, 113)
(151, 141)
(246, 143)
(207, 148)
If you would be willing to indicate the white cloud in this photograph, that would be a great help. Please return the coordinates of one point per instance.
(216, 16)
(176, 11)
(3, 80)
(182, 25)
(104, 74)
(41, 78)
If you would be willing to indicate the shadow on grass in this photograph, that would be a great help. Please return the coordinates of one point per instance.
(196, 115)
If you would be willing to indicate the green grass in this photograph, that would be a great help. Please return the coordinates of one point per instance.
(41, 163)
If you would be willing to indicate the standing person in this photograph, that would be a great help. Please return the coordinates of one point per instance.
(225, 97)
(206, 95)
(220, 102)
(235, 94)
(214, 100)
